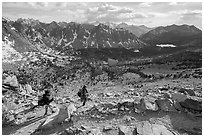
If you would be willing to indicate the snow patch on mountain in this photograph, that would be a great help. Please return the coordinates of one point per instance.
(9, 54)
(109, 43)
(136, 51)
(60, 41)
(69, 44)
(13, 28)
(166, 45)
(75, 36)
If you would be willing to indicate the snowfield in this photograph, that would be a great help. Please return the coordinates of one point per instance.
(166, 45)
(8, 52)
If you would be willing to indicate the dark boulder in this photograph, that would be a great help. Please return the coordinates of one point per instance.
(189, 92)
(192, 105)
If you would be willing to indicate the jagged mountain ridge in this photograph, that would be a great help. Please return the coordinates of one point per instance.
(19, 48)
(179, 35)
(64, 36)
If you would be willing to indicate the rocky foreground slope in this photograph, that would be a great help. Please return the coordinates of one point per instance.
(168, 105)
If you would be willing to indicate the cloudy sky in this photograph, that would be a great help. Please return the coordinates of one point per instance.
(151, 14)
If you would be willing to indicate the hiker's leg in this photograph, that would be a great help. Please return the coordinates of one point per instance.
(84, 101)
(46, 109)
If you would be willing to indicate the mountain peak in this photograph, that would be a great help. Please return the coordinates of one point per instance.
(136, 30)
(95, 23)
(174, 34)
(122, 25)
(62, 24)
(5, 19)
(28, 21)
(102, 25)
(111, 25)
(143, 26)
(72, 23)
(53, 24)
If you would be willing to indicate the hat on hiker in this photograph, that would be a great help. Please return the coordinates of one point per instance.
(47, 91)
(84, 86)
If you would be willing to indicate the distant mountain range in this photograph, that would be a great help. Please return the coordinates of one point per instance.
(62, 35)
(182, 35)
(24, 35)
(136, 30)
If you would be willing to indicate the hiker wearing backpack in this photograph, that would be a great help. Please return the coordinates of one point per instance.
(45, 100)
(83, 94)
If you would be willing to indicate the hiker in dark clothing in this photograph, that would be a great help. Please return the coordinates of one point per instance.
(84, 94)
(45, 101)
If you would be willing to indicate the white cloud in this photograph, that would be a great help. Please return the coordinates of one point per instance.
(132, 15)
(145, 4)
(109, 13)
(192, 19)
(185, 11)
(38, 4)
(94, 9)
(173, 3)
(101, 16)
(149, 13)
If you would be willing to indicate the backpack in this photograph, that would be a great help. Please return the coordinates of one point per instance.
(44, 100)
(79, 93)
(41, 101)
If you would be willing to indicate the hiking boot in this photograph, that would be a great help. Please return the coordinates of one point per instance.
(53, 111)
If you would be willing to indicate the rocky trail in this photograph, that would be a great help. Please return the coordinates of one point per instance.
(117, 109)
